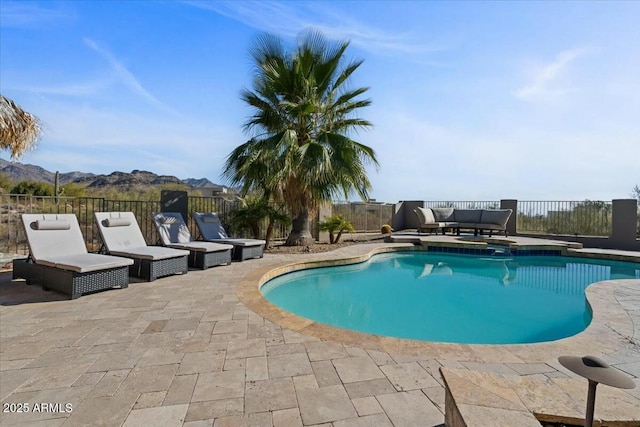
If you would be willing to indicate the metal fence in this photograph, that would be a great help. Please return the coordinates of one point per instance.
(579, 218)
(13, 240)
(365, 217)
(468, 204)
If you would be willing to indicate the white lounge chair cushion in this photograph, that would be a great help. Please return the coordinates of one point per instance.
(123, 237)
(153, 253)
(127, 240)
(171, 228)
(84, 263)
(240, 242)
(207, 247)
(213, 231)
(54, 238)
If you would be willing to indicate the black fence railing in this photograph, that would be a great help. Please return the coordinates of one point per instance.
(463, 204)
(578, 218)
(365, 216)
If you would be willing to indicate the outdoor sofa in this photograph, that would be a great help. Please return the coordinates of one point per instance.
(212, 230)
(174, 233)
(478, 220)
(121, 236)
(58, 258)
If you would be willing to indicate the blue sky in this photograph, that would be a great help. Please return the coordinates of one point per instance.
(471, 100)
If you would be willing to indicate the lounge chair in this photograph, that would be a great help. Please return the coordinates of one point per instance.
(174, 233)
(58, 258)
(212, 230)
(121, 236)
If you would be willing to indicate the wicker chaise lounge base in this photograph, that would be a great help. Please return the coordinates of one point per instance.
(151, 270)
(241, 253)
(205, 260)
(69, 282)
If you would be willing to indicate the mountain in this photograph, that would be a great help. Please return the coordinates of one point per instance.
(199, 183)
(25, 172)
(137, 178)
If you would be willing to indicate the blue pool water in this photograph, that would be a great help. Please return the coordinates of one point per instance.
(450, 298)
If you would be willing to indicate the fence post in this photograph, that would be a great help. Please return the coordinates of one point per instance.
(623, 223)
(512, 223)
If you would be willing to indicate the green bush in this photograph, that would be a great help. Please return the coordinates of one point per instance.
(33, 188)
(5, 183)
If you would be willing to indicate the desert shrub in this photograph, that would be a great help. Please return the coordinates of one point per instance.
(33, 188)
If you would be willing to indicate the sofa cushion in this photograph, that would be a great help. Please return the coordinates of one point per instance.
(443, 214)
(496, 216)
(468, 216)
(425, 215)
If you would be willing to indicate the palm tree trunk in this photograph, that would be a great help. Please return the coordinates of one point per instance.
(255, 230)
(300, 231)
(269, 233)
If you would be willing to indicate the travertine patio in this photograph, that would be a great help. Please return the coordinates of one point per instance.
(192, 350)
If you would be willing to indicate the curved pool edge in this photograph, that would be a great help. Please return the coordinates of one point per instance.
(610, 329)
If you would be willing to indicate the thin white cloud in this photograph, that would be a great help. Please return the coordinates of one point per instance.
(289, 18)
(14, 14)
(127, 78)
(73, 89)
(100, 140)
(544, 78)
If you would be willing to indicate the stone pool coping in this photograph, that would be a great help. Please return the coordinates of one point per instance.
(474, 398)
(611, 327)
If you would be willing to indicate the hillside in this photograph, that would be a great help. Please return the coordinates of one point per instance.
(136, 179)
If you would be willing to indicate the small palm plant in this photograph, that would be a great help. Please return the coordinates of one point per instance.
(252, 213)
(336, 223)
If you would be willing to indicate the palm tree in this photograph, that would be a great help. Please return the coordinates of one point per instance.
(303, 117)
(19, 130)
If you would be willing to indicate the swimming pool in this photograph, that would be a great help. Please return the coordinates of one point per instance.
(450, 298)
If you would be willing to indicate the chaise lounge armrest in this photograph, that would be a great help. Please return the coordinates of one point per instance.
(200, 246)
(84, 263)
(153, 253)
(240, 242)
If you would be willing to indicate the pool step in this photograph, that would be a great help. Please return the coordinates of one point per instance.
(499, 250)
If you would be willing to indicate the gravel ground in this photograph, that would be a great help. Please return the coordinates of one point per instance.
(279, 248)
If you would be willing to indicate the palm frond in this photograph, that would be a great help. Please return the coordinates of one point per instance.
(20, 131)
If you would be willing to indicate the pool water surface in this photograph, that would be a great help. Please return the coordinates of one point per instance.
(450, 298)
